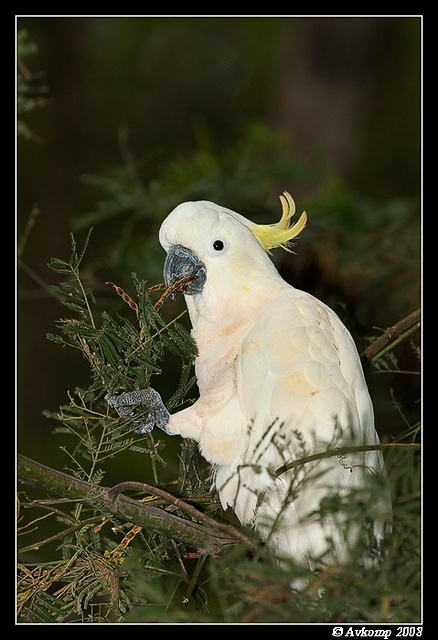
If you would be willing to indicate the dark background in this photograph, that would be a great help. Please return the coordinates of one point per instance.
(341, 96)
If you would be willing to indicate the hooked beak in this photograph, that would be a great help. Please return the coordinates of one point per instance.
(180, 263)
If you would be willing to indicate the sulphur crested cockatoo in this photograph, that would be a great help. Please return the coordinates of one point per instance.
(279, 379)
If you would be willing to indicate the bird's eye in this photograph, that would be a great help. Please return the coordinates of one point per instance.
(218, 245)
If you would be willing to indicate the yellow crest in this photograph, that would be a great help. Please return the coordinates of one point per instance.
(282, 232)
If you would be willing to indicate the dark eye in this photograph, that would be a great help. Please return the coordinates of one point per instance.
(218, 245)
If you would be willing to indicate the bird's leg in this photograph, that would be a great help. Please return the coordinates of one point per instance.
(142, 407)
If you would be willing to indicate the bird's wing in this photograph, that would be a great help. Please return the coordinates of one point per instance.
(299, 365)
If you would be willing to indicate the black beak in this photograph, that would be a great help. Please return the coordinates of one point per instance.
(181, 263)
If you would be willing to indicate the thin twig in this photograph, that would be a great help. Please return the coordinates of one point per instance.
(341, 451)
(180, 285)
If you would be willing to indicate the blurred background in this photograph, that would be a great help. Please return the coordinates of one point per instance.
(120, 119)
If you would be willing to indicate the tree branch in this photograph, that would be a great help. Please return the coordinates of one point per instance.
(391, 337)
(206, 538)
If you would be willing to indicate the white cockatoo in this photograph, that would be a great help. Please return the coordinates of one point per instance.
(279, 379)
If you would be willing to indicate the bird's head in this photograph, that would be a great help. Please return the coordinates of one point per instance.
(223, 249)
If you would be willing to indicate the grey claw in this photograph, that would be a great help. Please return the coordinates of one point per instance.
(143, 407)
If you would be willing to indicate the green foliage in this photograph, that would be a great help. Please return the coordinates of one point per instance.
(121, 356)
